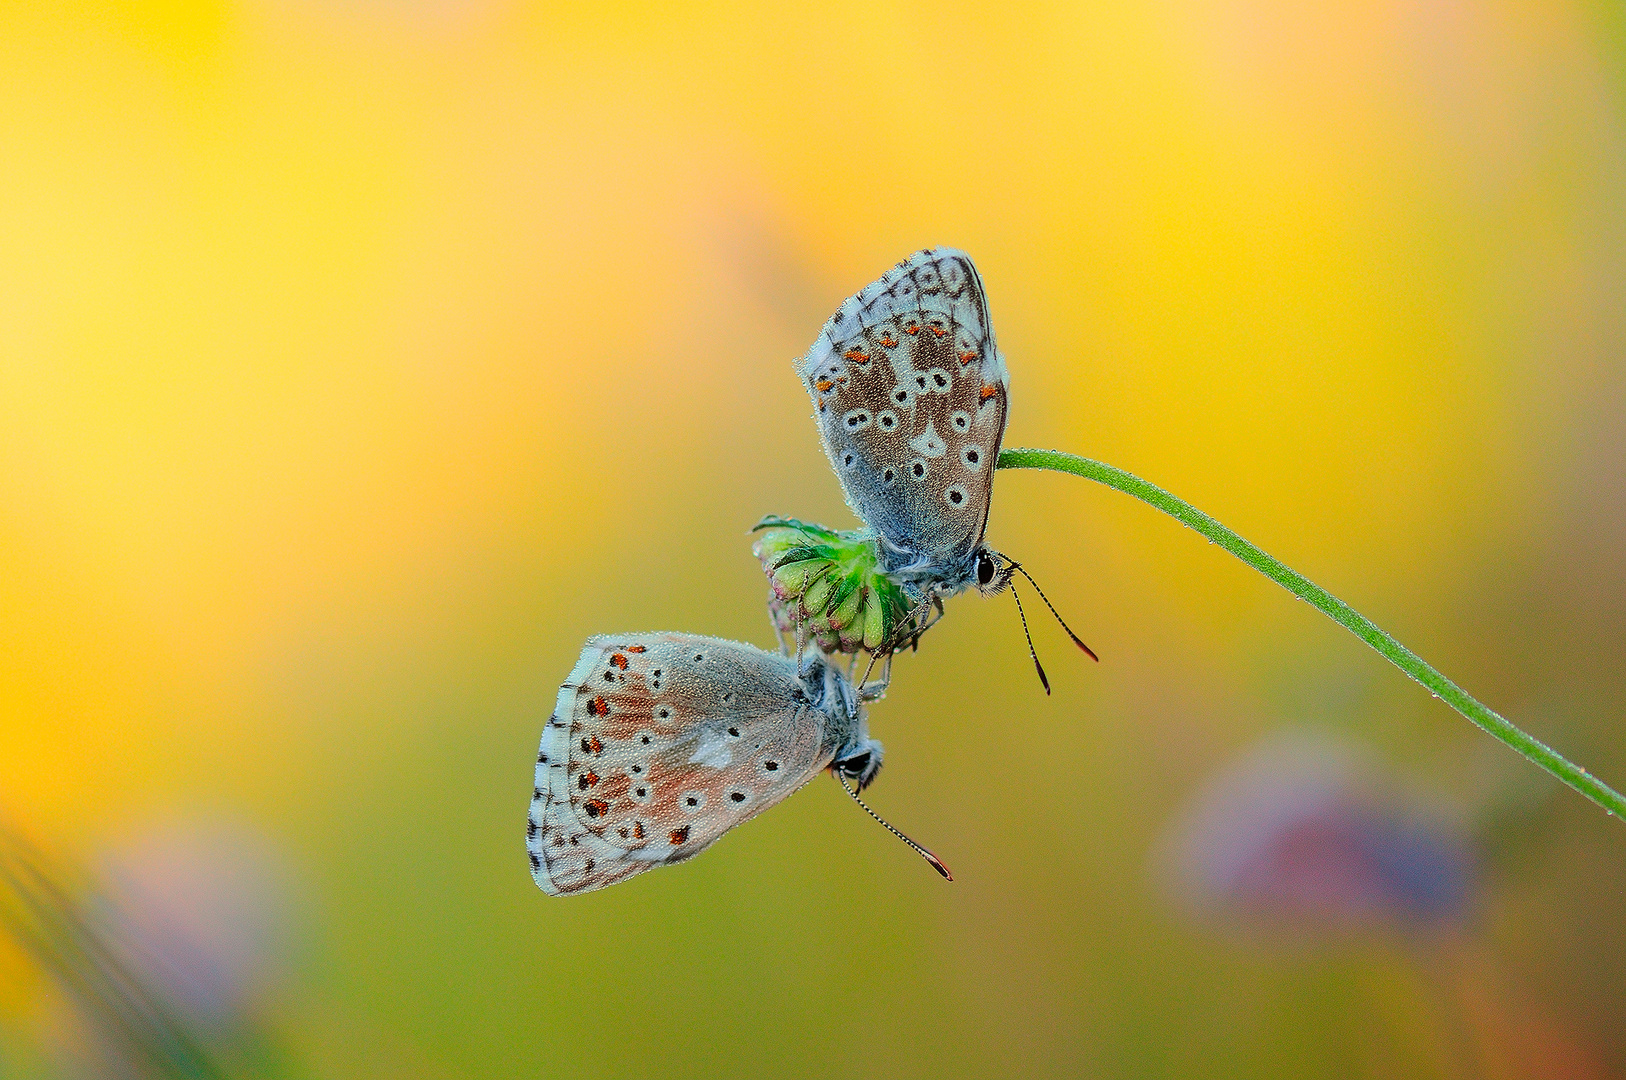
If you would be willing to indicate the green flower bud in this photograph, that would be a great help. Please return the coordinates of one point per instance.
(814, 598)
(790, 580)
(874, 623)
(847, 607)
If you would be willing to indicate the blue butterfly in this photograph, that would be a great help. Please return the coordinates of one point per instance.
(912, 395)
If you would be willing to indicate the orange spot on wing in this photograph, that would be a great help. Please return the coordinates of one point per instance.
(912, 329)
(591, 745)
(587, 779)
(938, 330)
(967, 357)
(619, 661)
(636, 648)
(599, 707)
(677, 836)
(596, 807)
(824, 385)
(638, 830)
(987, 392)
(889, 341)
(855, 356)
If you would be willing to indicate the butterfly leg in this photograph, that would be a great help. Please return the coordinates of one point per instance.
(935, 614)
(875, 691)
(861, 683)
(931, 617)
(779, 635)
(914, 624)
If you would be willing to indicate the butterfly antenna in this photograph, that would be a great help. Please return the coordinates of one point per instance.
(1036, 665)
(937, 864)
(1057, 614)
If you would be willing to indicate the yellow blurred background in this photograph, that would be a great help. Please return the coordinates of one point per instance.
(360, 359)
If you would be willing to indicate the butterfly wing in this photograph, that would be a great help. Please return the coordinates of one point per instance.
(911, 396)
(660, 743)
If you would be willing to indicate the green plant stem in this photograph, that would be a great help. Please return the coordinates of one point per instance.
(1353, 621)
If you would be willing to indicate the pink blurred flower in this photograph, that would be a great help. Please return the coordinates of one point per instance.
(1300, 830)
(203, 911)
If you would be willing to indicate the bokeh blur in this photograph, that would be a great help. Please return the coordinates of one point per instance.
(358, 359)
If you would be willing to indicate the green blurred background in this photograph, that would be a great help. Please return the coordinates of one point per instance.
(358, 360)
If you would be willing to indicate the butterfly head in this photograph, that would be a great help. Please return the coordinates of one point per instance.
(859, 756)
(859, 762)
(993, 571)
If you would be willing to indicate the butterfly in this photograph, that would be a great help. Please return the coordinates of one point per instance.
(659, 743)
(911, 395)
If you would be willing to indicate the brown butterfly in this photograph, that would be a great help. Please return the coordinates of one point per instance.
(659, 743)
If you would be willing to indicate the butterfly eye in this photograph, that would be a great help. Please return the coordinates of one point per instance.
(985, 568)
(855, 766)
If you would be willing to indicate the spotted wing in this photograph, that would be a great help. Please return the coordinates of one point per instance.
(911, 395)
(660, 743)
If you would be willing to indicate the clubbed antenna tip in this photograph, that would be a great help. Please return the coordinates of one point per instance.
(1031, 652)
(1076, 639)
(937, 864)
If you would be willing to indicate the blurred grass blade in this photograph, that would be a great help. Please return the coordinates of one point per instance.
(51, 928)
(1453, 695)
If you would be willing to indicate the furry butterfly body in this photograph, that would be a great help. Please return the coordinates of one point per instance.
(659, 743)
